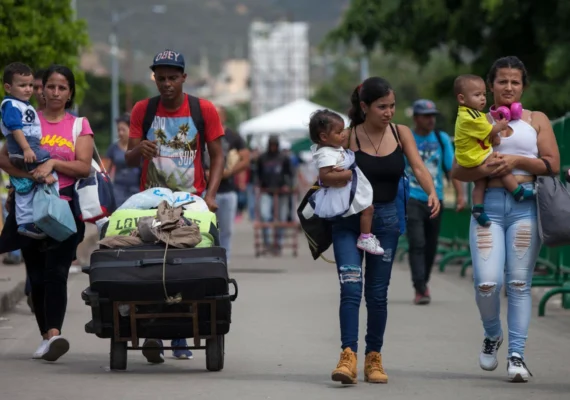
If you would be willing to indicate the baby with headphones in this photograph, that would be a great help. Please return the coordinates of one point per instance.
(475, 137)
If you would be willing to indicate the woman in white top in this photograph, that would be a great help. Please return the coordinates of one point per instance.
(510, 245)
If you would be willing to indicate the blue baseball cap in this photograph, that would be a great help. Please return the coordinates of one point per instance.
(168, 58)
(424, 107)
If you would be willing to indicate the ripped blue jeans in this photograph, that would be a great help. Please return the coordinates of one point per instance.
(506, 250)
(377, 274)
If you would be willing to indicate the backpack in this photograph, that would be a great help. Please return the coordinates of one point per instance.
(445, 171)
(195, 113)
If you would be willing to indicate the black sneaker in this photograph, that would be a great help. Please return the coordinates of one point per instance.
(153, 352)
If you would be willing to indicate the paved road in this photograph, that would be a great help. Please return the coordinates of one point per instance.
(284, 342)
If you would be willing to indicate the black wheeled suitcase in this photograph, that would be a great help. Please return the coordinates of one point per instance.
(142, 273)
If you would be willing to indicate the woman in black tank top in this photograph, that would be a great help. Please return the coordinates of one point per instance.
(379, 147)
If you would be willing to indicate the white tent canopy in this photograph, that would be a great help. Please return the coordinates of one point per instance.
(289, 120)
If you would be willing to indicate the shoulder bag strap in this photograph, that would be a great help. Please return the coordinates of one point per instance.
(396, 133)
(149, 115)
(77, 128)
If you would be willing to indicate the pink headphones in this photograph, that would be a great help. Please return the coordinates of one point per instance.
(509, 113)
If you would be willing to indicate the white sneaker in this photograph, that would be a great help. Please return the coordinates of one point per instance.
(517, 369)
(40, 350)
(55, 348)
(488, 356)
(370, 245)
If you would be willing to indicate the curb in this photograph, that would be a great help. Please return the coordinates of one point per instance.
(8, 300)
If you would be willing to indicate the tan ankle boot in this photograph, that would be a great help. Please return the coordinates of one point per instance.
(346, 370)
(373, 370)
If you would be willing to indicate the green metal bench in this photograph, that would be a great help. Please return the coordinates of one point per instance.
(558, 276)
(459, 222)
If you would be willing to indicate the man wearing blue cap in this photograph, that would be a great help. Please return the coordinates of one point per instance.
(177, 131)
(169, 133)
(437, 152)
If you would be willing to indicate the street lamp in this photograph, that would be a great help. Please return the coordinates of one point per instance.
(116, 18)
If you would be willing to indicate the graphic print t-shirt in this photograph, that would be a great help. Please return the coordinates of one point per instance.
(57, 139)
(178, 165)
(434, 158)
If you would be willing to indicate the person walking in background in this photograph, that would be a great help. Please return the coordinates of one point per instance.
(126, 180)
(275, 181)
(252, 183)
(39, 90)
(240, 181)
(436, 151)
(236, 155)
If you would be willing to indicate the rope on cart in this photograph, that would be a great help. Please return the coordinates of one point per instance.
(169, 299)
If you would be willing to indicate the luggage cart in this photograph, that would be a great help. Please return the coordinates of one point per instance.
(290, 229)
(206, 319)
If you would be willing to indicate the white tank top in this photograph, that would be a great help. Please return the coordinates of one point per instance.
(523, 142)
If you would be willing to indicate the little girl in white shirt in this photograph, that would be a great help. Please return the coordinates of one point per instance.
(326, 130)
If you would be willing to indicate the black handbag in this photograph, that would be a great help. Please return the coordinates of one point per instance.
(318, 231)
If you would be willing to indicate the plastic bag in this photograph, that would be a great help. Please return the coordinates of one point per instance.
(53, 214)
(152, 197)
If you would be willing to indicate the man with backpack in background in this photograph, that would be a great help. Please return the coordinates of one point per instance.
(437, 152)
(236, 160)
(169, 134)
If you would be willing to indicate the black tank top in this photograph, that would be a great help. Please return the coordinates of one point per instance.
(383, 172)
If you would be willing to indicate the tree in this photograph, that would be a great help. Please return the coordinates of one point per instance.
(474, 33)
(97, 105)
(335, 92)
(409, 81)
(40, 33)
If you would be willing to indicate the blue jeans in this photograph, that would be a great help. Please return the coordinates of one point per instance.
(508, 249)
(123, 192)
(250, 192)
(345, 232)
(226, 215)
(17, 154)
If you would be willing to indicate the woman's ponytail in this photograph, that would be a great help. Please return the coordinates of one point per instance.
(367, 92)
(355, 113)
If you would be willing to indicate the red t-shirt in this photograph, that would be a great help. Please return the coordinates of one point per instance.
(178, 165)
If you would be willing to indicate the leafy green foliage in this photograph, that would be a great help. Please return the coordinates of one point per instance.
(96, 106)
(335, 92)
(474, 33)
(409, 80)
(40, 33)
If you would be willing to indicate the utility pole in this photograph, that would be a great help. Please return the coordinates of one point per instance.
(116, 18)
(114, 75)
(74, 9)
(364, 67)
